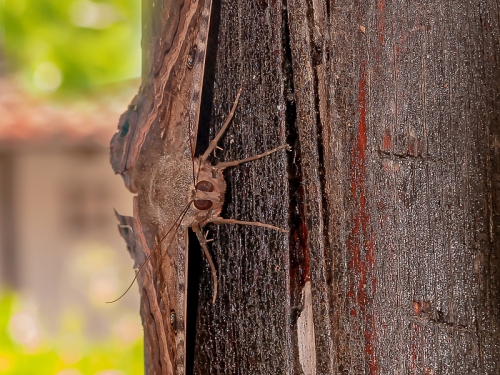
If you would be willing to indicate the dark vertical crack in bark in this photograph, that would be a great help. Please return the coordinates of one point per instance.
(196, 258)
(298, 247)
(299, 267)
(299, 253)
(194, 270)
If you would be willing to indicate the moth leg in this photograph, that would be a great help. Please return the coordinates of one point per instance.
(206, 235)
(234, 163)
(217, 148)
(253, 223)
(203, 242)
(213, 143)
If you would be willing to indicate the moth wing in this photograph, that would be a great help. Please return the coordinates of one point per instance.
(164, 115)
(162, 122)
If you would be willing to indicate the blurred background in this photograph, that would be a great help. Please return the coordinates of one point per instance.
(68, 69)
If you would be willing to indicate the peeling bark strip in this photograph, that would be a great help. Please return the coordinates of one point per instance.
(305, 333)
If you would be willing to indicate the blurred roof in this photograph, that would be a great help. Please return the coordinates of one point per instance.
(26, 119)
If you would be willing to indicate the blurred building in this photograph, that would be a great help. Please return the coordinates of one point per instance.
(59, 245)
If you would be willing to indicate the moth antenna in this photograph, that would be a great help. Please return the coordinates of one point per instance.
(135, 278)
(175, 225)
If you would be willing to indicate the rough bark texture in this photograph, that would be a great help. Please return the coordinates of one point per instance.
(408, 121)
(391, 190)
(248, 330)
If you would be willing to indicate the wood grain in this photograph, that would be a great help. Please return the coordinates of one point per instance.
(391, 190)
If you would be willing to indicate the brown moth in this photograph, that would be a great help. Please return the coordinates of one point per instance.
(153, 151)
(153, 146)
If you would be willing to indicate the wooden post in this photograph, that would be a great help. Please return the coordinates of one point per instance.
(392, 110)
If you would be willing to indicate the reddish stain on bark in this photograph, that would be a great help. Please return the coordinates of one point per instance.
(387, 141)
(417, 308)
(414, 146)
(360, 241)
(414, 350)
(426, 307)
(381, 21)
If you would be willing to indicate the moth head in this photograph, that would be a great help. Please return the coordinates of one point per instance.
(208, 194)
(206, 187)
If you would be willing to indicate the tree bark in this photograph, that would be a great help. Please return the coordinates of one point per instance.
(391, 190)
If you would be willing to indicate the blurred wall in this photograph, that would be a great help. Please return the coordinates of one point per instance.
(60, 246)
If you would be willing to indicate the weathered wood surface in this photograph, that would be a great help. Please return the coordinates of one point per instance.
(249, 329)
(391, 190)
(407, 99)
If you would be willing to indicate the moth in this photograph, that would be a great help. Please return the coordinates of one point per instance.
(153, 151)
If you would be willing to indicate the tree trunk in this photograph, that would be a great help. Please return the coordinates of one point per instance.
(390, 190)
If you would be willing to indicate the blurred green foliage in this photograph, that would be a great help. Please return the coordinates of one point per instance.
(75, 46)
(65, 355)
